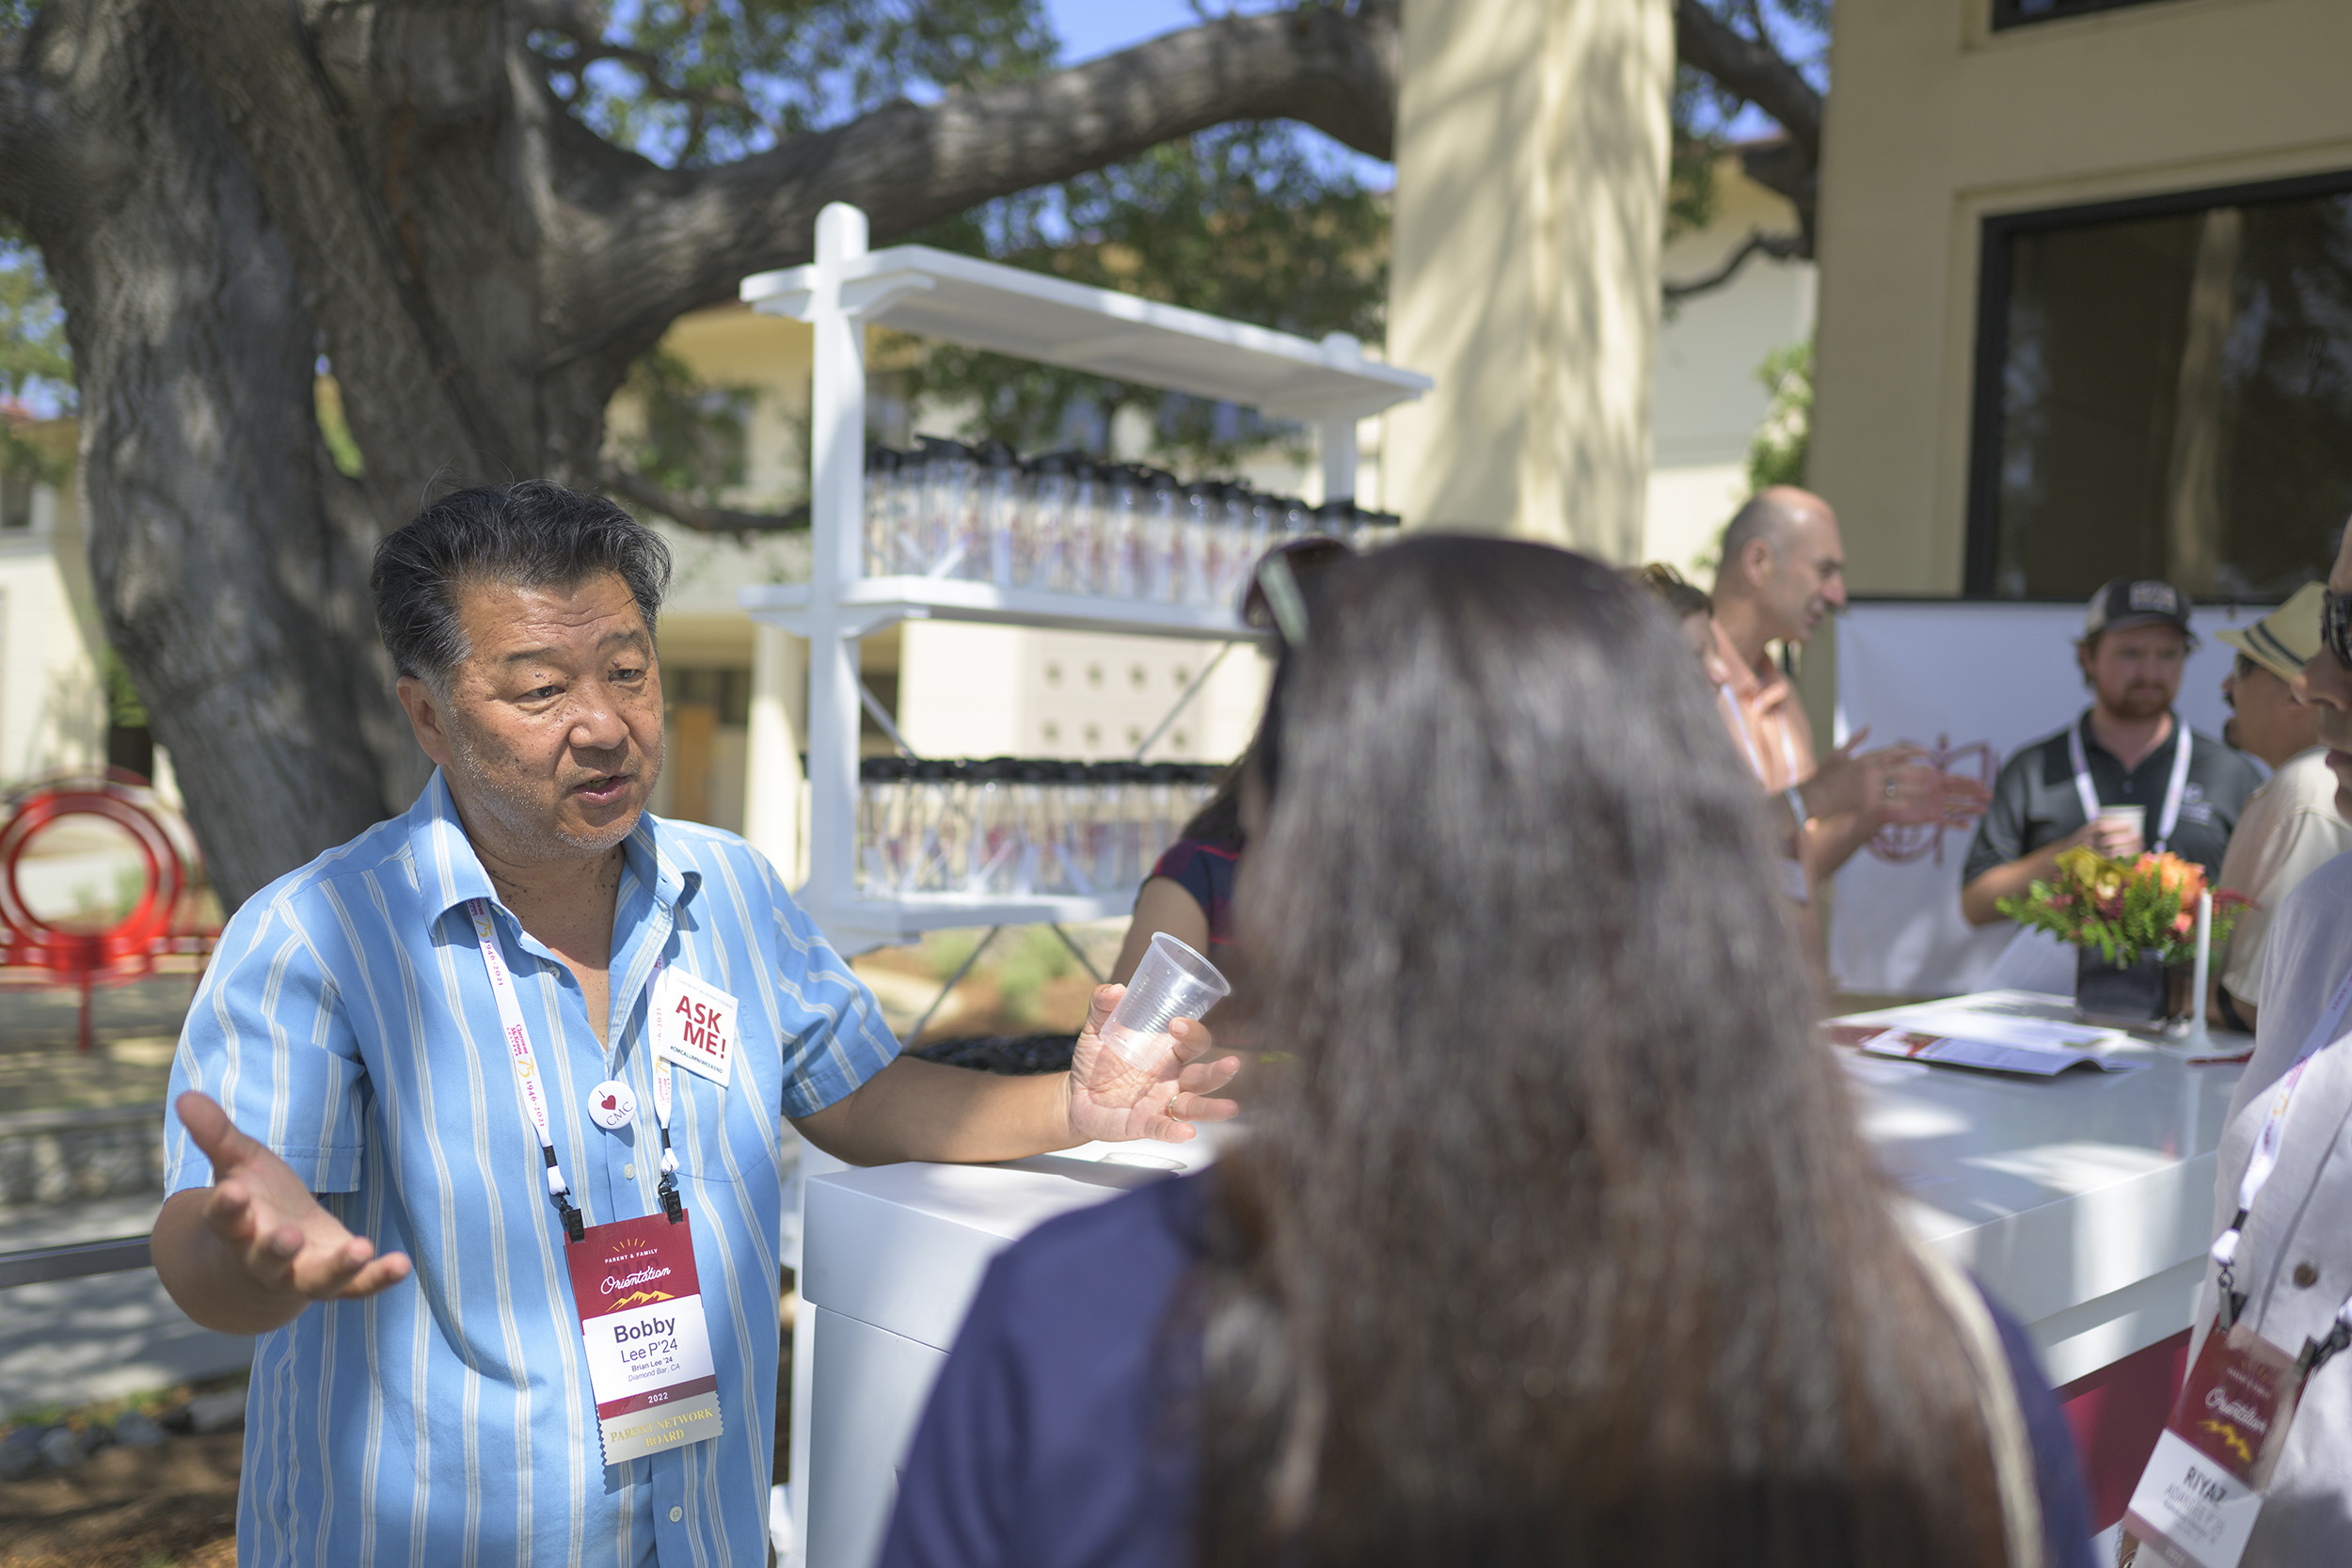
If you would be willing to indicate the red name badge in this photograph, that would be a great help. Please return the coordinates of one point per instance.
(640, 1316)
(2196, 1503)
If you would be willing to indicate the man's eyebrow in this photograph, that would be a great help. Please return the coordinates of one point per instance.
(630, 637)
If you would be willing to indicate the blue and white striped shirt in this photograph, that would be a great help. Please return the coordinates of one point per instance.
(347, 1021)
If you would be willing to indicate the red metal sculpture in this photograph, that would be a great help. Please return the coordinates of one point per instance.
(155, 925)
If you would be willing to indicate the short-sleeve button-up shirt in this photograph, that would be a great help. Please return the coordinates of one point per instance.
(347, 1021)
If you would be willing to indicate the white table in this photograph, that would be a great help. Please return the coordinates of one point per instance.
(2082, 1202)
(893, 1254)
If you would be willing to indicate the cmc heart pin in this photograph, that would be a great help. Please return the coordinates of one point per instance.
(612, 1105)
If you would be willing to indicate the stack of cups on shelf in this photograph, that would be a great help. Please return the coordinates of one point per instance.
(1010, 826)
(1067, 524)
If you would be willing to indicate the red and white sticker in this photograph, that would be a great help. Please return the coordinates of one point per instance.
(694, 1024)
(640, 1316)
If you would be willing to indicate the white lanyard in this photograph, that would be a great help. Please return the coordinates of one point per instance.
(1747, 740)
(528, 1078)
(2263, 1160)
(2173, 792)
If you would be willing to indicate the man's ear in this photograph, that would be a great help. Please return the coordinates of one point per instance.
(1756, 560)
(426, 718)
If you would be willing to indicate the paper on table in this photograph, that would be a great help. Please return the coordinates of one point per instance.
(2041, 1061)
(2032, 1034)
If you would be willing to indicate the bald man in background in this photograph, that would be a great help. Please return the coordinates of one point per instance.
(1782, 572)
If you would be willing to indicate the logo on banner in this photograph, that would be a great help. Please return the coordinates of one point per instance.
(1909, 843)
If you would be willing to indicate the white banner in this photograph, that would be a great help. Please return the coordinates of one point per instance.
(1970, 682)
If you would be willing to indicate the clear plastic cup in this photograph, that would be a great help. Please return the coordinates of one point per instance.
(1172, 982)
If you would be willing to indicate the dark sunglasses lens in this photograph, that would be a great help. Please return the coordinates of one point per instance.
(2336, 624)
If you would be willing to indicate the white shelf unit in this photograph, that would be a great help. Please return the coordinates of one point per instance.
(934, 293)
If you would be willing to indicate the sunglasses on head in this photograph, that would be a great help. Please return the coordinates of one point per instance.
(2335, 626)
(1273, 603)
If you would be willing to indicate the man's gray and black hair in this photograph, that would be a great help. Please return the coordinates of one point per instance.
(533, 534)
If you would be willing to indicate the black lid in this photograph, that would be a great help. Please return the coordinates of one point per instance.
(883, 458)
(1068, 461)
(1157, 479)
(942, 446)
(932, 770)
(1075, 772)
(1104, 773)
(1031, 772)
(1166, 773)
(1343, 508)
(996, 455)
(1382, 519)
(881, 770)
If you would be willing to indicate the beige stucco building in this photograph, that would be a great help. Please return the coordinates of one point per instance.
(53, 706)
(1951, 142)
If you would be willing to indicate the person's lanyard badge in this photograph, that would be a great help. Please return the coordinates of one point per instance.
(2175, 790)
(634, 1290)
(2196, 1503)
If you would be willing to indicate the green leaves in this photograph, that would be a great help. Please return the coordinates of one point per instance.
(699, 82)
(36, 362)
(1254, 221)
(1779, 450)
(694, 441)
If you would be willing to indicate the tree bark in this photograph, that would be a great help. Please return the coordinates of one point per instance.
(224, 188)
(228, 571)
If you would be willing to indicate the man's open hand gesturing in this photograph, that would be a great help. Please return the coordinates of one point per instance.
(250, 1252)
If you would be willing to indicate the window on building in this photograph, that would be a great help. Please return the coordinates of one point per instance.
(2016, 13)
(2164, 388)
(16, 500)
(705, 718)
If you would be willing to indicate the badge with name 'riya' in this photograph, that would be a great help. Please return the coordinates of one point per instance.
(694, 1024)
(2196, 1503)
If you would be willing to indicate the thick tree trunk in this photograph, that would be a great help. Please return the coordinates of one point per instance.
(223, 582)
(223, 189)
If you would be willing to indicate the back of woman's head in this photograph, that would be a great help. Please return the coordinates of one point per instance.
(1557, 1243)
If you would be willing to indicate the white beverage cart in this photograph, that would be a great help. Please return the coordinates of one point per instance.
(926, 293)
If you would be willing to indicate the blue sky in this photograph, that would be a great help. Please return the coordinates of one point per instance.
(1091, 28)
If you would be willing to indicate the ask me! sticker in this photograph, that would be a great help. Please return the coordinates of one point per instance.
(694, 1024)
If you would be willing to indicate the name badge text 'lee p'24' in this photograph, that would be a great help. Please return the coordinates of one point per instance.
(640, 1317)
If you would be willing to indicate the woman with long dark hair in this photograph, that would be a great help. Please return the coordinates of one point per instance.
(1559, 1244)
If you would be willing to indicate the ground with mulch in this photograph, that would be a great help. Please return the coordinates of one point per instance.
(169, 1507)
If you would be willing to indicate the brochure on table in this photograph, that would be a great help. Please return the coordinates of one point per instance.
(2010, 1032)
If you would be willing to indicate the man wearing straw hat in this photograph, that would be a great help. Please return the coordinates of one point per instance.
(2291, 826)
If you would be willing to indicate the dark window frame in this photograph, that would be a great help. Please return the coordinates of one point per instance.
(1981, 558)
(2006, 13)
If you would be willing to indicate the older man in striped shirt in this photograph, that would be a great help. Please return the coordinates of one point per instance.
(430, 1068)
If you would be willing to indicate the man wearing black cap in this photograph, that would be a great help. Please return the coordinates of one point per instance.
(2127, 775)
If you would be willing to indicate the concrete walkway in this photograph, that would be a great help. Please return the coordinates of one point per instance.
(72, 1341)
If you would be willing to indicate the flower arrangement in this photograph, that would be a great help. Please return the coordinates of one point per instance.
(2125, 909)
